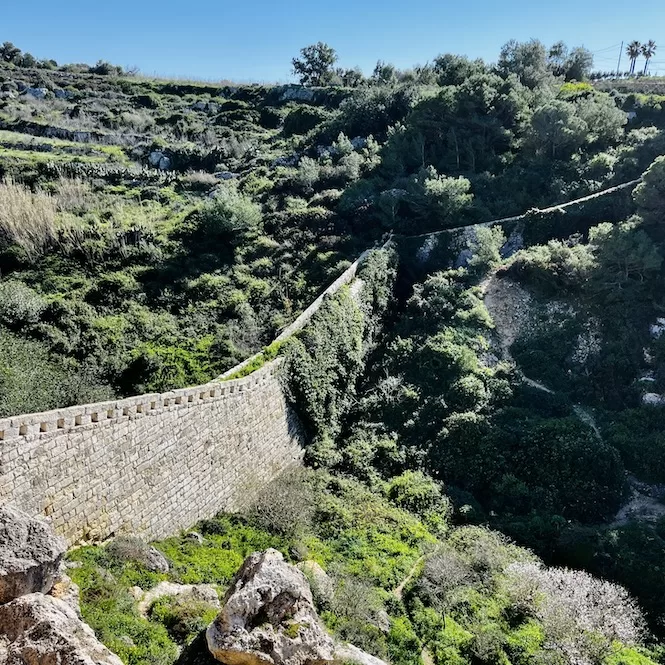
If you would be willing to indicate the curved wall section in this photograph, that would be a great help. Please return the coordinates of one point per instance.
(152, 464)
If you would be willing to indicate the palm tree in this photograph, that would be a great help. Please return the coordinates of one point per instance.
(648, 51)
(633, 51)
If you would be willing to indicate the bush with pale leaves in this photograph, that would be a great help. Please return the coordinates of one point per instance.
(582, 616)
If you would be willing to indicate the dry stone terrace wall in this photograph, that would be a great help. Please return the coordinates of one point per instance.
(152, 464)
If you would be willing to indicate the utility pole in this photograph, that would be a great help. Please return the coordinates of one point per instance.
(619, 63)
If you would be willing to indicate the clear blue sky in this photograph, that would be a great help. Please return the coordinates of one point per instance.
(254, 40)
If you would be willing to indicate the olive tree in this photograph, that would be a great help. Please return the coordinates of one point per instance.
(315, 64)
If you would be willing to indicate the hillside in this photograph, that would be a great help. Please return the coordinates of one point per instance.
(484, 424)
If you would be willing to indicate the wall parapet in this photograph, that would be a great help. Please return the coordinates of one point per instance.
(72, 417)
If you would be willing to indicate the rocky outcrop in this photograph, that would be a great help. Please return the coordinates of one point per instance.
(320, 584)
(36, 93)
(30, 554)
(296, 93)
(268, 617)
(156, 561)
(36, 628)
(199, 593)
(41, 630)
(348, 653)
(67, 591)
(159, 160)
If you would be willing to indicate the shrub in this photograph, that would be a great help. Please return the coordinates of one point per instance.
(19, 304)
(148, 101)
(184, 618)
(303, 119)
(129, 548)
(582, 616)
(285, 506)
(417, 493)
(230, 216)
(199, 181)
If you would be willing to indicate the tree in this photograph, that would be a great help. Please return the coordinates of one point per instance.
(556, 128)
(351, 78)
(9, 52)
(384, 73)
(557, 57)
(633, 51)
(573, 65)
(527, 60)
(648, 51)
(583, 617)
(627, 258)
(578, 64)
(604, 120)
(315, 65)
(455, 69)
(27, 60)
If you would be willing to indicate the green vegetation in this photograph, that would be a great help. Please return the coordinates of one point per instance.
(153, 234)
(469, 601)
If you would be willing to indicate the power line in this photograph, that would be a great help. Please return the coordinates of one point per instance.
(608, 48)
(537, 211)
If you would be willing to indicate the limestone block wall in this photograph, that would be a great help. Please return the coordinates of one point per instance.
(153, 464)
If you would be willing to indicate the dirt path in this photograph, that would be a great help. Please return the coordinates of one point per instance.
(398, 592)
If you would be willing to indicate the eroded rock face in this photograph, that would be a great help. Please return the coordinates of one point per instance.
(268, 617)
(296, 93)
(68, 591)
(42, 630)
(348, 653)
(30, 554)
(321, 585)
(201, 593)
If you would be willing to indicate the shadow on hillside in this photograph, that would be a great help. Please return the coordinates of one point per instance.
(197, 653)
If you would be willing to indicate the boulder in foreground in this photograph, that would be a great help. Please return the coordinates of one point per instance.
(30, 554)
(42, 630)
(268, 617)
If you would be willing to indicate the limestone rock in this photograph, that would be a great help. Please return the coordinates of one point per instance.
(203, 593)
(36, 93)
(296, 93)
(658, 328)
(159, 160)
(68, 591)
(268, 617)
(653, 399)
(347, 653)
(321, 585)
(30, 554)
(42, 630)
(156, 561)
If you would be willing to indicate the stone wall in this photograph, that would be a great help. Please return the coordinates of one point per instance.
(153, 464)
